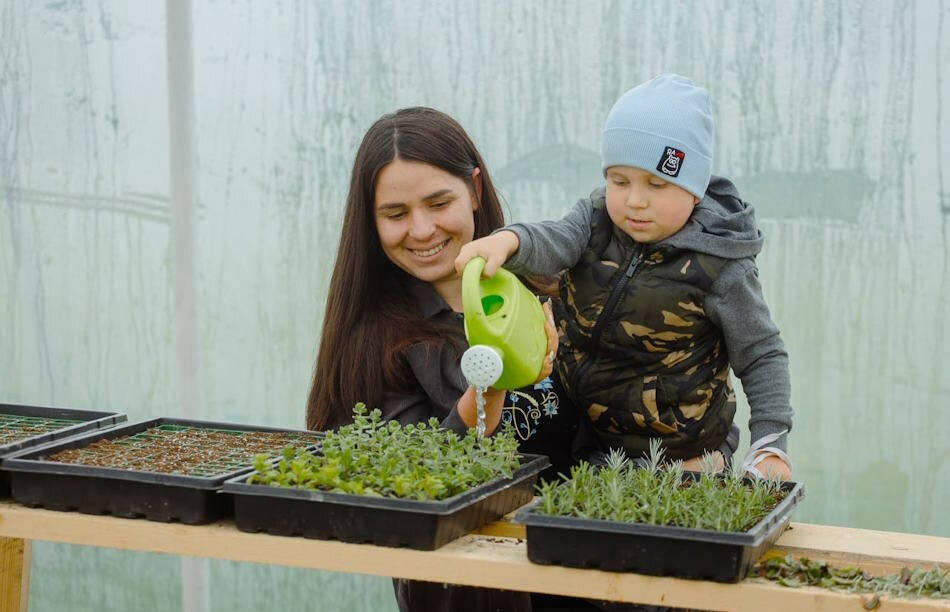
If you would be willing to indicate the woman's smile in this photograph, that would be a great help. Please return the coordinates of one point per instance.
(427, 253)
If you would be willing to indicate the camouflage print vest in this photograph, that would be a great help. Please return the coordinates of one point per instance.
(638, 352)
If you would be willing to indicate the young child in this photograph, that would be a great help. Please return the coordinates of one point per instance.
(661, 292)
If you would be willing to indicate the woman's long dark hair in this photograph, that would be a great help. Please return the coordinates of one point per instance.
(370, 318)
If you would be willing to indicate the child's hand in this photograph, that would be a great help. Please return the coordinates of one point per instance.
(496, 249)
(696, 464)
(548, 365)
(772, 466)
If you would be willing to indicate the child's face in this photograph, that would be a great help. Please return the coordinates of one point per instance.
(644, 206)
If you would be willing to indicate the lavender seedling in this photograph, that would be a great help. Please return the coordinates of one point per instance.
(658, 494)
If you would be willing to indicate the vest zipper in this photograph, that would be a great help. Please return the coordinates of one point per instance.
(615, 294)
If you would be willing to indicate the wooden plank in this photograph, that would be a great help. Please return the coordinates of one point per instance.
(477, 560)
(875, 551)
(15, 557)
(867, 548)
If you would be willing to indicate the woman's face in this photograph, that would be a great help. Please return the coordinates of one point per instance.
(424, 215)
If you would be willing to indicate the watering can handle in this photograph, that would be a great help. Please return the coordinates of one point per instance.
(475, 321)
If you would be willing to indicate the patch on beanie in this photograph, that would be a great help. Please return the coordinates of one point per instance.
(671, 162)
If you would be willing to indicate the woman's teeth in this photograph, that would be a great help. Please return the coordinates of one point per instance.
(431, 251)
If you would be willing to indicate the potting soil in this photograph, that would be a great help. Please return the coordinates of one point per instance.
(177, 449)
(14, 428)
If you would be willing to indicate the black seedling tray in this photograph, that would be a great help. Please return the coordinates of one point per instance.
(385, 521)
(55, 423)
(658, 550)
(125, 492)
(58, 423)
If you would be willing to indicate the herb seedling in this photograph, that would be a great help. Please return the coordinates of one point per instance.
(372, 457)
(657, 494)
(933, 583)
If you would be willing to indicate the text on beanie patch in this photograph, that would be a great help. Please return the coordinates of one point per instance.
(671, 162)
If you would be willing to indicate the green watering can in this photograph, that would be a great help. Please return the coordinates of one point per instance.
(504, 324)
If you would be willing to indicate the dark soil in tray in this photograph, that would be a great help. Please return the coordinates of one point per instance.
(176, 449)
(23, 426)
(15, 428)
(163, 469)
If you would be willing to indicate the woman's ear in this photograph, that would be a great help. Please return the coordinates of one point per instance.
(695, 200)
(477, 183)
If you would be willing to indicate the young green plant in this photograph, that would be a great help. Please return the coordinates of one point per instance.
(658, 494)
(372, 457)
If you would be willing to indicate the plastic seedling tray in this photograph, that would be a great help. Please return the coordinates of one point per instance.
(26, 426)
(123, 487)
(659, 550)
(23, 426)
(385, 521)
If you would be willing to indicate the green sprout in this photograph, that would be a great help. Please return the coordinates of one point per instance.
(659, 494)
(909, 583)
(383, 458)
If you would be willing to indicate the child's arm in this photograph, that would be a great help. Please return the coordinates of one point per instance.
(495, 249)
(545, 248)
(758, 358)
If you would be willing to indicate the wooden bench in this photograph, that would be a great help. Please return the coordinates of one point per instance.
(494, 556)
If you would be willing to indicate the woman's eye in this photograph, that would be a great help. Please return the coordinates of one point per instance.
(658, 184)
(620, 182)
(441, 204)
(396, 215)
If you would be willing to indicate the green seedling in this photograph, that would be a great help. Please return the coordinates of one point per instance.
(909, 583)
(657, 494)
(373, 457)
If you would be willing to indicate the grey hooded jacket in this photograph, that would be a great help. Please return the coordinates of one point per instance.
(721, 225)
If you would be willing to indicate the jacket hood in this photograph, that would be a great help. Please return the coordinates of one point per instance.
(721, 224)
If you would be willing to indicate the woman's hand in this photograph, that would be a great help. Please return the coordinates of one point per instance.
(495, 249)
(494, 403)
(547, 365)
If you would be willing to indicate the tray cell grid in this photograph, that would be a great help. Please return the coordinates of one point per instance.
(183, 450)
(14, 427)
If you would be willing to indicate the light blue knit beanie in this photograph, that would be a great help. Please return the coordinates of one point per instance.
(663, 126)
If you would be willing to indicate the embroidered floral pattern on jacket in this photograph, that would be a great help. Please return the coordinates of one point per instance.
(524, 410)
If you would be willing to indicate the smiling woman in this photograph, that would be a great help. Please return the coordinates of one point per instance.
(418, 191)
(393, 333)
(423, 216)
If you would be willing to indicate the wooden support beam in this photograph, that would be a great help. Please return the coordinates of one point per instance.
(14, 573)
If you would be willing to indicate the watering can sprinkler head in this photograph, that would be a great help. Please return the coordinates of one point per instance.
(482, 365)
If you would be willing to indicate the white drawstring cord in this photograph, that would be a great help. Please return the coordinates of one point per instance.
(759, 451)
